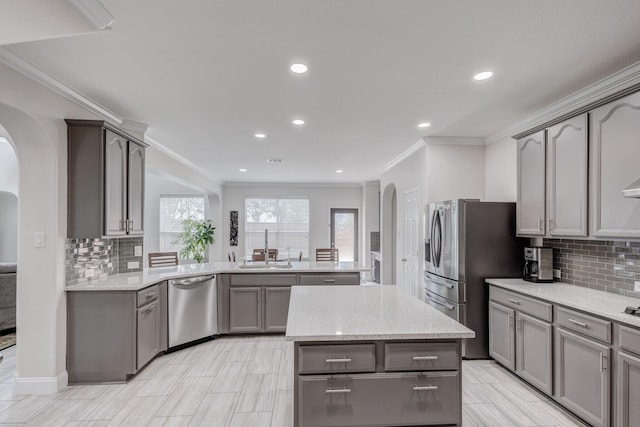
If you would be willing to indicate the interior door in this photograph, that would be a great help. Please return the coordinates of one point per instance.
(411, 244)
(344, 233)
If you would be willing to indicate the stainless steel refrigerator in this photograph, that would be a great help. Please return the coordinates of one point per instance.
(466, 242)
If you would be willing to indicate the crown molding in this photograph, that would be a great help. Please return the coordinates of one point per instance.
(454, 140)
(404, 155)
(14, 61)
(609, 85)
(134, 126)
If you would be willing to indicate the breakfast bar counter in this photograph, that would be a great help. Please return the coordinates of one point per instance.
(373, 356)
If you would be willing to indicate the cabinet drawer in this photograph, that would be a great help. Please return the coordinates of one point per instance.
(630, 339)
(534, 307)
(329, 279)
(147, 295)
(336, 358)
(421, 356)
(256, 279)
(380, 400)
(586, 325)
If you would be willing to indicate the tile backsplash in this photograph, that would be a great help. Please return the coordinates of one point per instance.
(91, 259)
(605, 265)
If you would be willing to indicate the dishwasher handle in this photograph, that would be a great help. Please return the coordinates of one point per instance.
(191, 280)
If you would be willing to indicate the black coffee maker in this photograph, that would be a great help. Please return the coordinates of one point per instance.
(538, 264)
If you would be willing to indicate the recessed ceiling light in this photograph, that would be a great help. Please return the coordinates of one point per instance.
(243, 170)
(298, 122)
(483, 75)
(339, 171)
(424, 125)
(260, 135)
(299, 68)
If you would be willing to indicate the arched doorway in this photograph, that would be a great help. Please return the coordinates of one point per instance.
(40, 301)
(388, 235)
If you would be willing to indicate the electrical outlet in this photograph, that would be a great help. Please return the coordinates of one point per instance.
(557, 273)
(636, 286)
(133, 264)
(137, 251)
(88, 272)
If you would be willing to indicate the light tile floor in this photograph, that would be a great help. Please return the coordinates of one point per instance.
(244, 382)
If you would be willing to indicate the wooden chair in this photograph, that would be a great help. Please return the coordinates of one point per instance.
(258, 255)
(163, 259)
(327, 255)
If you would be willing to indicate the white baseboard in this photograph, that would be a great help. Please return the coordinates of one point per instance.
(42, 385)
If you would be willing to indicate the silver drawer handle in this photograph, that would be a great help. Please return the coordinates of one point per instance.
(149, 310)
(515, 301)
(424, 387)
(337, 390)
(425, 357)
(343, 360)
(575, 322)
(329, 280)
(149, 296)
(446, 285)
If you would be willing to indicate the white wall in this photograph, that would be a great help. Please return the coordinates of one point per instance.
(455, 171)
(321, 200)
(501, 163)
(8, 167)
(155, 186)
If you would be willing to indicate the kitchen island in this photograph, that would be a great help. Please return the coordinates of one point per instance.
(373, 356)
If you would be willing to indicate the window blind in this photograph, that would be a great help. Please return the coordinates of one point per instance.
(173, 210)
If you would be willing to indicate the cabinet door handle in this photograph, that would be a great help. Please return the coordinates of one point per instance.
(514, 301)
(341, 360)
(429, 357)
(540, 224)
(149, 310)
(550, 223)
(602, 364)
(329, 280)
(122, 225)
(519, 324)
(337, 390)
(424, 387)
(510, 321)
(575, 322)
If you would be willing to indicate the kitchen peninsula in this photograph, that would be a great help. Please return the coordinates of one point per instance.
(373, 356)
(119, 323)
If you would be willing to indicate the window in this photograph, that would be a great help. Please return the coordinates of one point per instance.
(287, 220)
(173, 210)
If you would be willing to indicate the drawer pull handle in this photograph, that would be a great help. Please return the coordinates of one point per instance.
(149, 296)
(342, 360)
(329, 280)
(515, 301)
(575, 322)
(425, 357)
(424, 387)
(337, 390)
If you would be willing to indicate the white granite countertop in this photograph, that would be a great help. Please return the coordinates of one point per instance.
(149, 276)
(346, 313)
(604, 304)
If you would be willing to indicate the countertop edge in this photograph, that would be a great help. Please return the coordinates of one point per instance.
(380, 337)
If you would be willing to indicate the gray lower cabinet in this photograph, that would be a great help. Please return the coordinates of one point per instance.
(250, 303)
(534, 343)
(276, 308)
(501, 337)
(245, 310)
(381, 383)
(111, 335)
(628, 390)
(582, 377)
(148, 317)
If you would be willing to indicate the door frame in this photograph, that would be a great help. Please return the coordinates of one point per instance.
(357, 228)
(419, 238)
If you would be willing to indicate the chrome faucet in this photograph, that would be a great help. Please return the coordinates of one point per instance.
(266, 246)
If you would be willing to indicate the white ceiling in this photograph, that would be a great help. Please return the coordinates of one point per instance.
(206, 75)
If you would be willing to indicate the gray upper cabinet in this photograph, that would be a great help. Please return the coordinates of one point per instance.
(105, 181)
(567, 167)
(582, 377)
(614, 154)
(530, 212)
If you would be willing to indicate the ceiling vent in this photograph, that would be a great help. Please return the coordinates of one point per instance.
(275, 161)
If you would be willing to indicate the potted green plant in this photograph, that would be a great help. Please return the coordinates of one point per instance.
(195, 236)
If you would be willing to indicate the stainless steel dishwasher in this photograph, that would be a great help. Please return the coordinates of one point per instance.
(192, 309)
